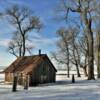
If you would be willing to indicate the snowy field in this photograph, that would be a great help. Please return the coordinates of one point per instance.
(61, 90)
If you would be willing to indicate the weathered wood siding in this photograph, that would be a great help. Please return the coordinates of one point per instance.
(9, 77)
(44, 73)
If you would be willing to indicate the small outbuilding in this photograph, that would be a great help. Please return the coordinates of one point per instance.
(38, 68)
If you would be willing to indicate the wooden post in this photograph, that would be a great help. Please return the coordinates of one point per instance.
(26, 82)
(15, 78)
(73, 78)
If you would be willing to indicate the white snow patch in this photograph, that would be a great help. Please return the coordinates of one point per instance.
(61, 90)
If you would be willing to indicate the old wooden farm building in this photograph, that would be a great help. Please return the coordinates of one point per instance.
(39, 68)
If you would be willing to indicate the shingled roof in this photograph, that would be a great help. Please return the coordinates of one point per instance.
(26, 64)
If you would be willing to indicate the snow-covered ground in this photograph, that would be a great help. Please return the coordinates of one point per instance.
(61, 90)
(2, 77)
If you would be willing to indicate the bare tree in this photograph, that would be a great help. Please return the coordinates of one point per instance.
(96, 20)
(75, 55)
(23, 21)
(85, 9)
(83, 47)
(63, 54)
(97, 54)
(68, 52)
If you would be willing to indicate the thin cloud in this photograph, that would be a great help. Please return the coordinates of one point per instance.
(4, 42)
(45, 41)
(40, 41)
(37, 41)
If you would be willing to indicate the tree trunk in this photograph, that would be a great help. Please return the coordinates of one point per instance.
(68, 71)
(24, 48)
(20, 50)
(98, 54)
(91, 58)
(88, 25)
(77, 69)
(98, 68)
(85, 71)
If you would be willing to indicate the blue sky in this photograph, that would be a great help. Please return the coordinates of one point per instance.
(44, 40)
